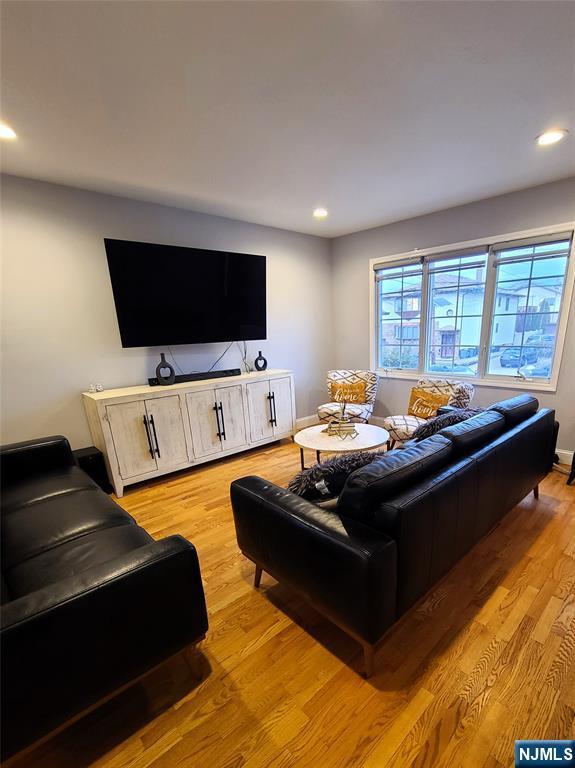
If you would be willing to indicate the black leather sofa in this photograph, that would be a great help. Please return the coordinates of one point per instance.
(90, 601)
(400, 522)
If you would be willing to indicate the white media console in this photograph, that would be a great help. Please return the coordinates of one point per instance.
(145, 432)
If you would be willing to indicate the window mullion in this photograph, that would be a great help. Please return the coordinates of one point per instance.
(378, 305)
(424, 317)
(456, 318)
(488, 313)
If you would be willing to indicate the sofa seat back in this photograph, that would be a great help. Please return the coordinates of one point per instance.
(386, 476)
(57, 523)
(473, 433)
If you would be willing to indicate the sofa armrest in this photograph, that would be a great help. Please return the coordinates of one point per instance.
(345, 568)
(21, 460)
(68, 645)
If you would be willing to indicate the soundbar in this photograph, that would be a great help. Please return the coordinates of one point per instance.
(153, 382)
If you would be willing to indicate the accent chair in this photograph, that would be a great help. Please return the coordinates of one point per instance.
(402, 427)
(356, 388)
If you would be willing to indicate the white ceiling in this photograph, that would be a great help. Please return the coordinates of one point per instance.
(264, 110)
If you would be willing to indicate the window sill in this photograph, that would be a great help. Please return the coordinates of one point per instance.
(529, 385)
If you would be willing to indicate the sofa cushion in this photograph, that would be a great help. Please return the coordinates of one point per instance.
(474, 432)
(73, 557)
(43, 486)
(516, 409)
(386, 476)
(31, 530)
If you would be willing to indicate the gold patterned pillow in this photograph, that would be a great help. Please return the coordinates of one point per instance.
(424, 404)
(342, 392)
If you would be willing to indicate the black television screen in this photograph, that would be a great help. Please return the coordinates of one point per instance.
(166, 294)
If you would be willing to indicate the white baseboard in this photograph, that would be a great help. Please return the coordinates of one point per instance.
(565, 457)
(306, 421)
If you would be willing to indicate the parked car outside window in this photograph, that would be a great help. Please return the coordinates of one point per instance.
(515, 357)
(548, 339)
(447, 368)
(540, 370)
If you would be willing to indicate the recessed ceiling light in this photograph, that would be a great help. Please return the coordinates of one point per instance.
(6, 132)
(320, 213)
(551, 137)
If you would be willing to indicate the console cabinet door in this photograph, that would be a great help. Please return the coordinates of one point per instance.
(168, 435)
(128, 426)
(232, 416)
(282, 399)
(203, 423)
(259, 410)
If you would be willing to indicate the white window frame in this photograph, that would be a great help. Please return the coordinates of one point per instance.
(488, 380)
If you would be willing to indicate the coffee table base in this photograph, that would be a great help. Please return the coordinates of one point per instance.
(303, 466)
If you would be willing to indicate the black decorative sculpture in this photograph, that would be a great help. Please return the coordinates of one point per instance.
(260, 363)
(163, 365)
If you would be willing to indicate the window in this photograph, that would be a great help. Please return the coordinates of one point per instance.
(399, 302)
(532, 279)
(492, 311)
(456, 291)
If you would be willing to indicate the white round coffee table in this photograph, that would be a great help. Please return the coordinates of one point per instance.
(369, 436)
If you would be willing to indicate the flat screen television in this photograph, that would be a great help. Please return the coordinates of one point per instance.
(168, 295)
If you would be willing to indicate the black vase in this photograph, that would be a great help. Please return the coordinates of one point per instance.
(163, 365)
(260, 363)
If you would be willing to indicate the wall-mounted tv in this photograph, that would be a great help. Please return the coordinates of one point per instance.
(167, 295)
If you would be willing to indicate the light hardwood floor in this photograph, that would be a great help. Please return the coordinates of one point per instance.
(486, 658)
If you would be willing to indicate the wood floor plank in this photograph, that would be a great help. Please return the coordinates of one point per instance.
(547, 619)
(404, 722)
(486, 657)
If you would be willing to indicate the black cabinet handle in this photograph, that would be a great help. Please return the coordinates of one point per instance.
(219, 432)
(155, 436)
(270, 399)
(149, 437)
(275, 415)
(223, 422)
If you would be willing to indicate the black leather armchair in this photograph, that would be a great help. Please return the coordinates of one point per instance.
(90, 601)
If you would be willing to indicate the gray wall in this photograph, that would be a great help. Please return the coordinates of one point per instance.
(59, 326)
(548, 204)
